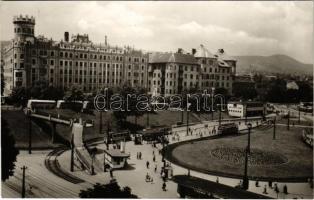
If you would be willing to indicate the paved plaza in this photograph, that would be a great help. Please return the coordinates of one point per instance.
(133, 176)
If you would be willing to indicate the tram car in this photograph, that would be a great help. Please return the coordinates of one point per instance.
(41, 104)
(228, 129)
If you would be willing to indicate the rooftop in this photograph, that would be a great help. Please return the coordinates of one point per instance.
(221, 54)
(172, 58)
(116, 153)
(203, 52)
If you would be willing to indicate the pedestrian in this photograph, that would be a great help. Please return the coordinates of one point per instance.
(154, 158)
(164, 186)
(155, 168)
(217, 179)
(276, 189)
(140, 155)
(265, 190)
(285, 189)
(270, 184)
(111, 172)
(137, 156)
(256, 183)
(147, 164)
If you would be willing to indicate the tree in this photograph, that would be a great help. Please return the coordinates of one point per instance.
(73, 96)
(8, 150)
(111, 190)
(129, 102)
(19, 96)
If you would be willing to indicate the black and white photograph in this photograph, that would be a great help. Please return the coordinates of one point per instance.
(156, 99)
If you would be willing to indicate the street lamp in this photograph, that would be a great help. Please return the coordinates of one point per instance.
(213, 92)
(245, 185)
(163, 148)
(249, 126)
(187, 118)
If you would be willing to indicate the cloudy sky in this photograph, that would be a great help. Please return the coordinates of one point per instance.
(241, 28)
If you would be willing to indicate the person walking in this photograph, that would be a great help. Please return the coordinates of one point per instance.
(111, 173)
(154, 158)
(164, 186)
(155, 168)
(265, 190)
(147, 164)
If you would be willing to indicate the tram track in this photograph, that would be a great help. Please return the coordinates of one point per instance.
(53, 166)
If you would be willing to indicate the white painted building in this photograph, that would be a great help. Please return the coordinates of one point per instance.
(249, 109)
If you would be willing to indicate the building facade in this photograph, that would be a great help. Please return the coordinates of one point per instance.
(64, 64)
(78, 62)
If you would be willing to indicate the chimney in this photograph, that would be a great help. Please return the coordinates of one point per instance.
(66, 36)
(106, 40)
(193, 51)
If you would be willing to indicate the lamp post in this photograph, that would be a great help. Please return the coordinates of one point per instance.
(213, 92)
(245, 113)
(72, 154)
(249, 126)
(163, 148)
(23, 182)
(29, 134)
(245, 185)
(187, 118)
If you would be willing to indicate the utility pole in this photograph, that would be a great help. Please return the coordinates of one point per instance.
(274, 132)
(213, 91)
(163, 148)
(187, 122)
(23, 181)
(249, 137)
(100, 122)
(247, 151)
(29, 135)
(220, 115)
(245, 180)
(108, 134)
(72, 153)
(182, 113)
(245, 113)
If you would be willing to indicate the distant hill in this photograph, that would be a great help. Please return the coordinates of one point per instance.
(274, 63)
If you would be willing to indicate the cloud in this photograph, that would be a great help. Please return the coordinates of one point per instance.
(242, 28)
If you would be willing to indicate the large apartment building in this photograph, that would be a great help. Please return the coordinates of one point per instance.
(171, 73)
(79, 62)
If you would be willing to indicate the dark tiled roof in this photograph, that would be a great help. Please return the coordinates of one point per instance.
(116, 153)
(218, 190)
(172, 58)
